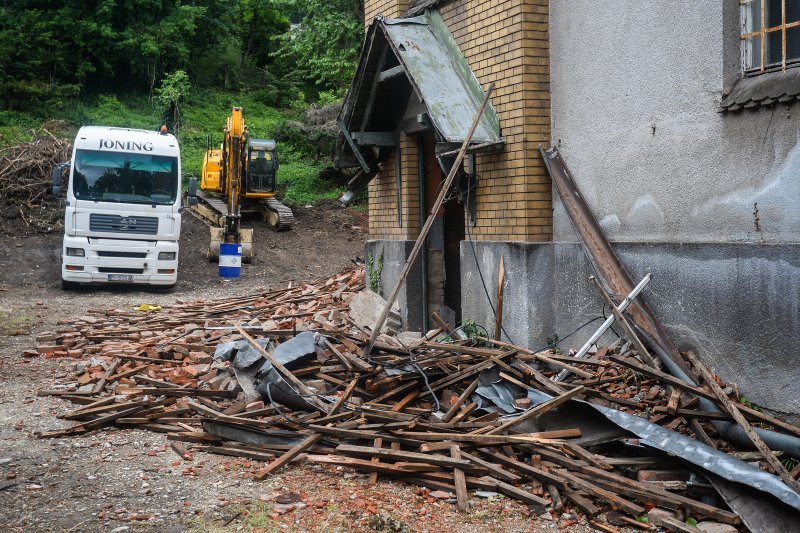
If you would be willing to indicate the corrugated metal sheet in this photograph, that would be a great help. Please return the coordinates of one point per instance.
(441, 77)
(763, 90)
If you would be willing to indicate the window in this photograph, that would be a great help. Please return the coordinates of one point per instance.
(125, 177)
(770, 35)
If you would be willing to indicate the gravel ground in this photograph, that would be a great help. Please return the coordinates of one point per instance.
(130, 480)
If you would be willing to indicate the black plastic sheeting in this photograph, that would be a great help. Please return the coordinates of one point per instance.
(268, 382)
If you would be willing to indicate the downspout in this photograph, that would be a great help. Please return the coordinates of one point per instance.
(423, 217)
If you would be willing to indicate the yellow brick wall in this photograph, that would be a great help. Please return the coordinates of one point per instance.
(384, 222)
(506, 42)
(391, 9)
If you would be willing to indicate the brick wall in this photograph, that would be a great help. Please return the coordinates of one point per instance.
(384, 222)
(391, 9)
(506, 42)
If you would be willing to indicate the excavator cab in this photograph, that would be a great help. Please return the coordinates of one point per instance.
(262, 165)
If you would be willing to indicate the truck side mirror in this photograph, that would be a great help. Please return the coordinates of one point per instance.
(58, 170)
(192, 192)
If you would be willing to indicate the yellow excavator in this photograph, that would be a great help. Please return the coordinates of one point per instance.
(239, 178)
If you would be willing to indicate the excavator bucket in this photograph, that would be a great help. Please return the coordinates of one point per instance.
(217, 238)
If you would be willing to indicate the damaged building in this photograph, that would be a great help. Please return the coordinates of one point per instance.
(679, 128)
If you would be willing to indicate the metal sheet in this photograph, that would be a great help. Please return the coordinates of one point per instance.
(441, 77)
(705, 457)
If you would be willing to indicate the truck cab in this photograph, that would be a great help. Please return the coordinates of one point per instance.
(122, 219)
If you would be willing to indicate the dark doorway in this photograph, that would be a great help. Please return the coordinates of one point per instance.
(443, 247)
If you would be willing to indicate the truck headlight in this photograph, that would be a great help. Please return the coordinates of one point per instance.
(166, 256)
(76, 252)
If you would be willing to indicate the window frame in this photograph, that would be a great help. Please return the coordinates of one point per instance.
(751, 70)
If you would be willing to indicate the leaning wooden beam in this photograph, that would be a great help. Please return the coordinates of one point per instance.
(423, 234)
(288, 456)
(731, 408)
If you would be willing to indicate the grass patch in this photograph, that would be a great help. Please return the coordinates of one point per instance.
(14, 323)
(254, 518)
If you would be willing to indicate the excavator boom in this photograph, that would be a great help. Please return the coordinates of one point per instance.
(239, 178)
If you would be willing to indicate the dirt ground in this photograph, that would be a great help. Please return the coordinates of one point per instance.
(130, 480)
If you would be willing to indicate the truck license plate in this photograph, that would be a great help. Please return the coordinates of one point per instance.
(119, 277)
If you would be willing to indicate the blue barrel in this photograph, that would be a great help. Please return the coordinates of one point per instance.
(230, 260)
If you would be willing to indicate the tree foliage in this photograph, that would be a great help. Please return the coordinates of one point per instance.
(51, 51)
(326, 42)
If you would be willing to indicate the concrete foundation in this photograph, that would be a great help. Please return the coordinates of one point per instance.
(395, 254)
(735, 305)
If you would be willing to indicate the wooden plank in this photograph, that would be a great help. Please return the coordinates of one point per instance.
(461, 399)
(101, 383)
(541, 437)
(501, 280)
(399, 455)
(310, 396)
(459, 480)
(538, 410)
(733, 410)
(494, 470)
(237, 451)
(344, 397)
(373, 477)
(603, 494)
(582, 502)
(539, 504)
(92, 408)
(650, 493)
(288, 456)
(93, 424)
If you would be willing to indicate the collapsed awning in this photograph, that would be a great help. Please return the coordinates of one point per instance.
(411, 77)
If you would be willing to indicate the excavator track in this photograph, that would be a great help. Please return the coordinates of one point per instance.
(279, 216)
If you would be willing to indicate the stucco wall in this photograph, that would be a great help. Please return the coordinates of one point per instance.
(735, 305)
(636, 88)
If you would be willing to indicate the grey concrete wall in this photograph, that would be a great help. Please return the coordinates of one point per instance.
(395, 255)
(735, 305)
(635, 89)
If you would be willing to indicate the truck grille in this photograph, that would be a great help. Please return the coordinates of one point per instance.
(120, 270)
(117, 224)
(135, 255)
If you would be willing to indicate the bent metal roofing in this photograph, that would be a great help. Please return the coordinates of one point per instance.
(433, 68)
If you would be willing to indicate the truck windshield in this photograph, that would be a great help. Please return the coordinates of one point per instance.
(125, 177)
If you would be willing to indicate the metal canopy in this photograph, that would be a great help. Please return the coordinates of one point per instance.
(405, 63)
(441, 77)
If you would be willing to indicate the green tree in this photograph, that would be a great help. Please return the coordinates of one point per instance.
(326, 43)
(169, 96)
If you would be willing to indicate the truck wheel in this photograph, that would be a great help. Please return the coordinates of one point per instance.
(69, 285)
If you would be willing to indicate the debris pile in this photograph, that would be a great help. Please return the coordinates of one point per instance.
(25, 179)
(281, 375)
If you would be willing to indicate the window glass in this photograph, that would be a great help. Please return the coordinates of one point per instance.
(793, 43)
(774, 52)
(752, 52)
(774, 12)
(751, 16)
(792, 11)
(125, 177)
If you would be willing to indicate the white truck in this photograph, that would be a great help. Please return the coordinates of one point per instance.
(122, 218)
